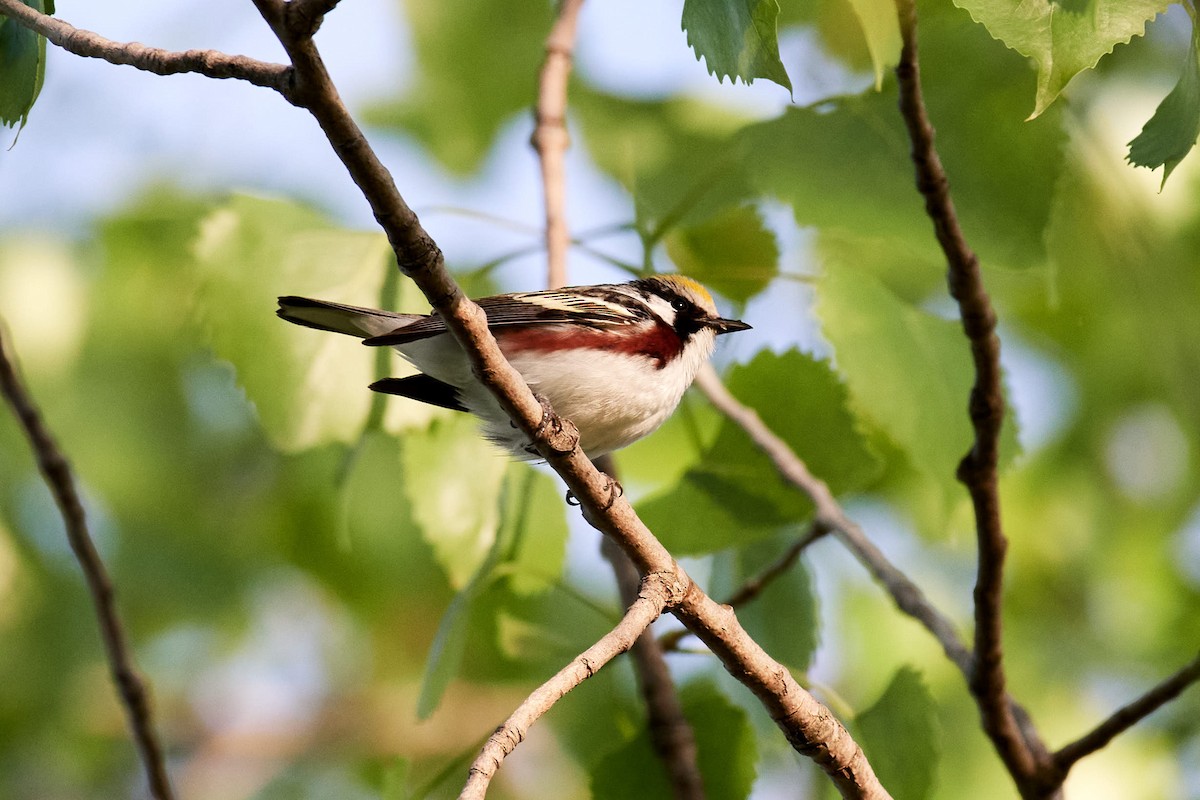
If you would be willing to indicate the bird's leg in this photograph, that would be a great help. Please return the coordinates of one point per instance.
(560, 434)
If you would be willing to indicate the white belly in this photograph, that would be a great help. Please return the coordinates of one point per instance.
(613, 399)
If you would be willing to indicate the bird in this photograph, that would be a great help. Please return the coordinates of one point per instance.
(615, 359)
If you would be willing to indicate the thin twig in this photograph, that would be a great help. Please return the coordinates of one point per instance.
(756, 584)
(59, 478)
(978, 469)
(210, 63)
(1127, 716)
(550, 138)
(654, 595)
(829, 516)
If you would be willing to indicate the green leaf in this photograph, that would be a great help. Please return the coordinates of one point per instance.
(1171, 133)
(726, 753)
(1063, 38)
(536, 516)
(733, 253)
(737, 38)
(453, 478)
(908, 372)
(845, 165)
(735, 495)
(449, 647)
(881, 28)
(901, 736)
(309, 387)
(475, 78)
(675, 157)
(785, 618)
(395, 780)
(22, 67)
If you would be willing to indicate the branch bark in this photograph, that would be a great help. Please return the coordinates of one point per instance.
(978, 469)
(656, 592)
(550, 138)
(1126, 717)
(60, 479)
(210, 63)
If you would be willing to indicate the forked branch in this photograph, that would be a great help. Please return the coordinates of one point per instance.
(657, 590)
(210, 63)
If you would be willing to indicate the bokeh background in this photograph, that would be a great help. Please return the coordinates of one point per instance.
(336, 598)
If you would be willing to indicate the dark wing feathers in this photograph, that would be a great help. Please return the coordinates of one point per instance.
(530, 308)
(423, 388)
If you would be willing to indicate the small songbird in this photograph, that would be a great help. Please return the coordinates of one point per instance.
(614, 359)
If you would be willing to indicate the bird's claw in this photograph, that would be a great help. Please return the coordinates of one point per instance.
(612, 486)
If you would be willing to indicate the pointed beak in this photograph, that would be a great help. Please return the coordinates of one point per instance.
(721, 325)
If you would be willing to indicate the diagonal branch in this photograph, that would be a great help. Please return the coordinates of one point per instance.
(830, 516)
(210, 63)
(59, 478)
(656, 592)
(755, 585)
(1127, 716)
(809, 727)
(978, 469)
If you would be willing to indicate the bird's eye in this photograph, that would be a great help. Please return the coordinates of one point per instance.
(679, 304)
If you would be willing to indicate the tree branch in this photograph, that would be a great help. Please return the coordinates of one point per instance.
(550, 138)
(670, 732)
(755, 585)
(829, 516)
(59, 478)
(210, 63)
(978, 469)
(808, 725)
(1127, 716)
(656, 592)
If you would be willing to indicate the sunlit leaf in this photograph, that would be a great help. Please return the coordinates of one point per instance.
(452, 478)
(901, 736)
(733, 253)
(844, 165)
(535, 510)
(738, 39)
(1171, 133)
(881, 28)
(309, 387)
(908, 372)
(1063, 37)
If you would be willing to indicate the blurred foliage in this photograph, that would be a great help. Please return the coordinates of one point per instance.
(336, 594)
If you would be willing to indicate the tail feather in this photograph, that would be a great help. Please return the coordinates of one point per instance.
(351, 320)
